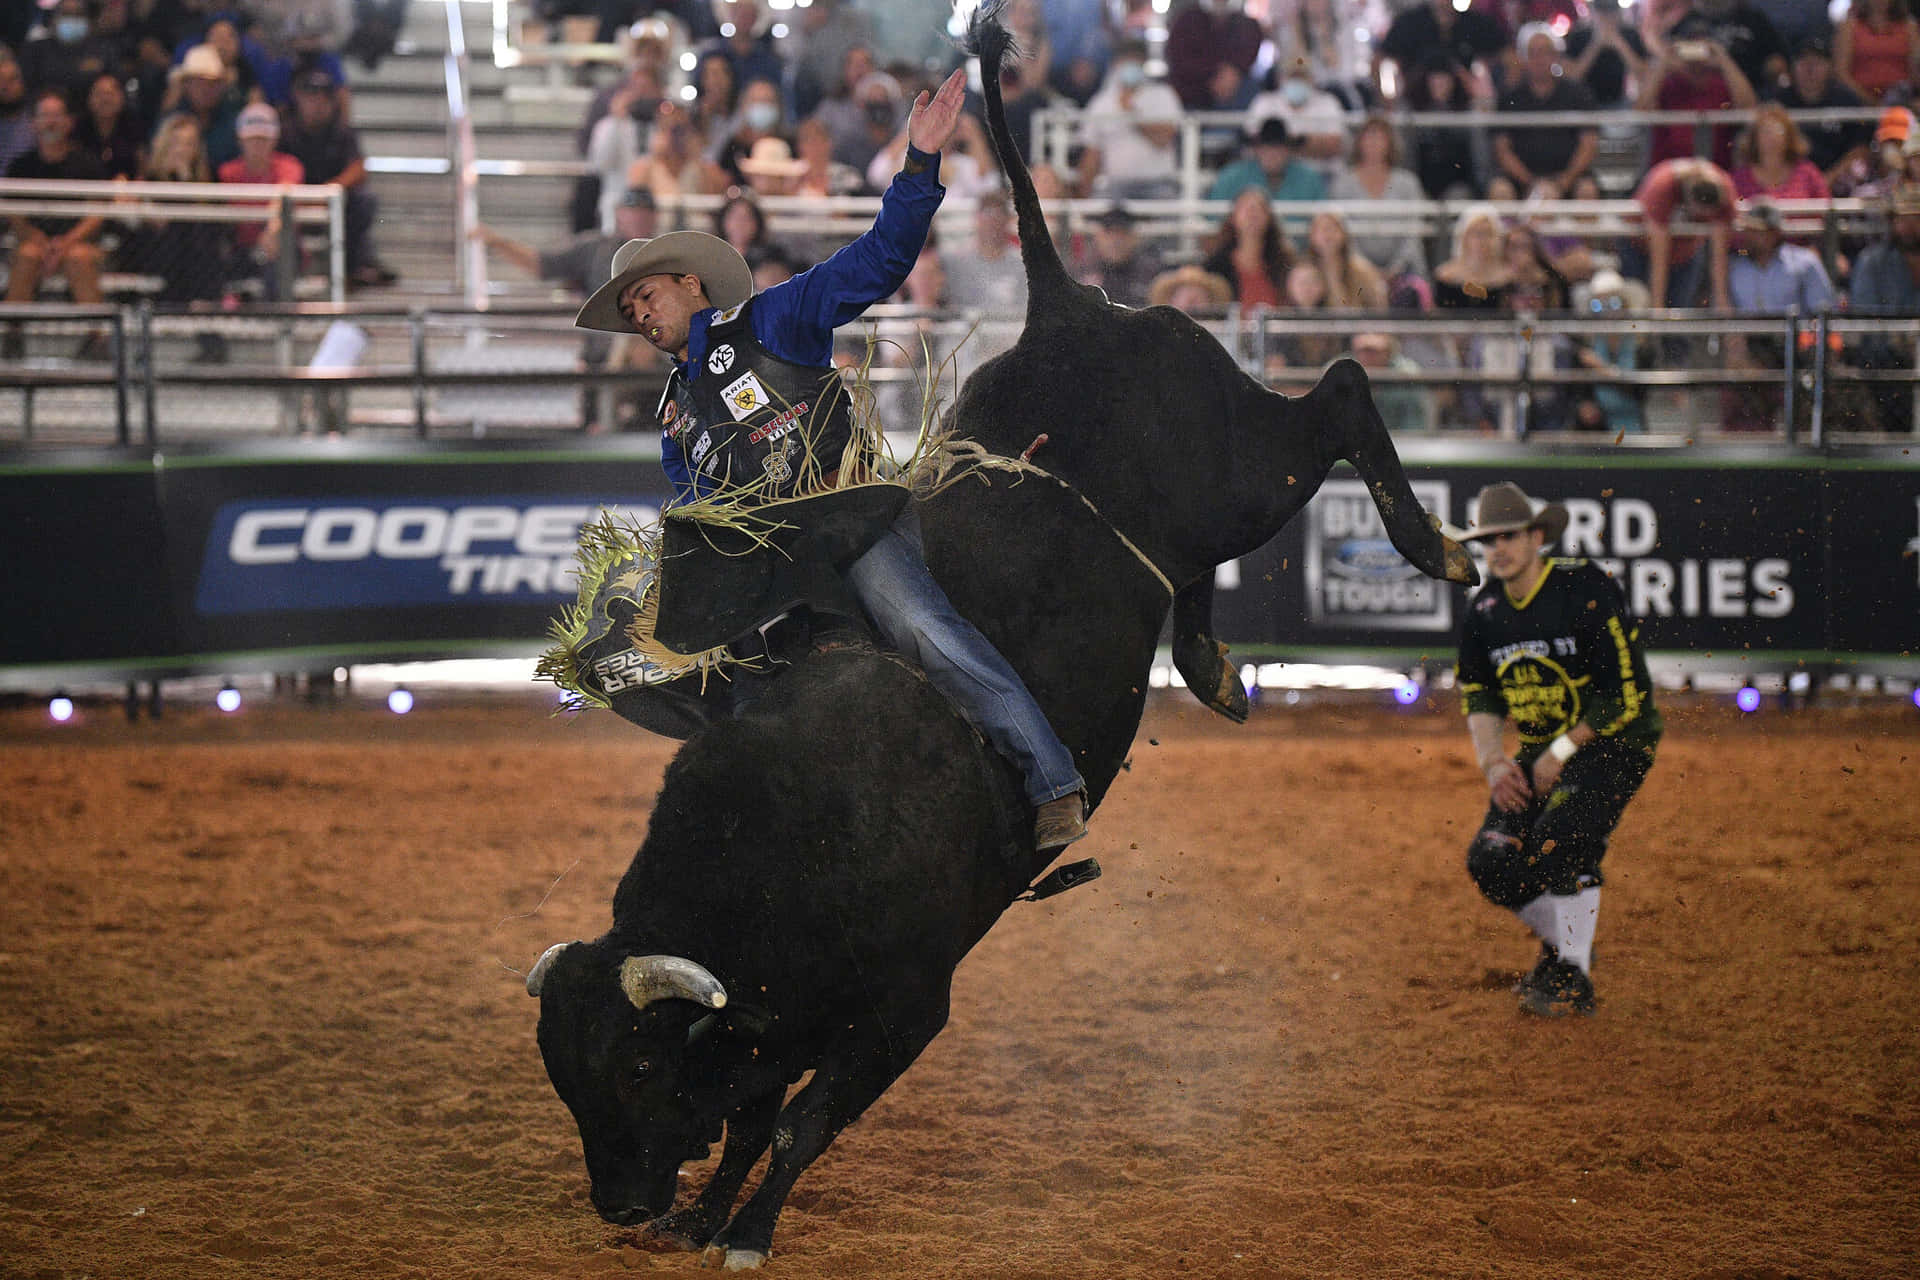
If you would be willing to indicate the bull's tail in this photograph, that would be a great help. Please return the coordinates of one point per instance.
(1047, 278)
(1358, 434)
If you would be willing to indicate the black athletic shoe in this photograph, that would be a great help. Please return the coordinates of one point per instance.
(1555, 989)
(1542, 967)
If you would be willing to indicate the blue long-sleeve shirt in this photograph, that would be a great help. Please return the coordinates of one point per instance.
(795, 319)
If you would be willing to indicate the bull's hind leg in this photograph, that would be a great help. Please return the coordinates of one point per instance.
(1358, 434)
(749, 1132)
(845, 1083)
(1201, 659)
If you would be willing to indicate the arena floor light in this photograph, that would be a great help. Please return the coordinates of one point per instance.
(400, 701)
(228, 699)
(61, 708)
(1748, 699)
(1407, 692)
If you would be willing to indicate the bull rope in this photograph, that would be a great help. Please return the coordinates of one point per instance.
(949, 461)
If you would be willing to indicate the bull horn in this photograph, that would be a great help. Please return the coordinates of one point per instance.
(645, 979)
(537, 976)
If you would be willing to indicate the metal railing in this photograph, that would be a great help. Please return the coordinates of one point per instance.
(300, 206)
(447, 352)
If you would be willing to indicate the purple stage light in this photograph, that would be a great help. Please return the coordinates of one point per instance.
(1916, 696)
(1748, 699)
(228, 699)
(1407, 692)
(400, 701)
(61, 708)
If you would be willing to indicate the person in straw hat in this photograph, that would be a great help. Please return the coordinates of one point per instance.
(1549, 644)
(753, 406)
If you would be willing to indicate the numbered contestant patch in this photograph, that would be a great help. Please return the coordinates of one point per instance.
(746, 394)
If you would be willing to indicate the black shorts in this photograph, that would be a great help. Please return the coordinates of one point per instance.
(1555, 844)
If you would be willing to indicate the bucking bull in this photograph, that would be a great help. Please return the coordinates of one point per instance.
(817, 865)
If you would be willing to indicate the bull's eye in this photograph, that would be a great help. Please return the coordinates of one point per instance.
(642, 1069)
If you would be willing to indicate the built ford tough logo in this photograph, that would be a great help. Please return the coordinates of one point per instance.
(1354, 576)
(279, 555)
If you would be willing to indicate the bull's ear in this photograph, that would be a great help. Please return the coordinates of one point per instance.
(646, 979)
(537, 976)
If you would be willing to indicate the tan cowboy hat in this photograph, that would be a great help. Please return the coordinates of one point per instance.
(203, 62)
(771, 157)
(722, 271)
(1503, 508)
(1609, 283)
(1168, 283)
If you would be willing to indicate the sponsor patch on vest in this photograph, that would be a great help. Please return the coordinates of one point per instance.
(778, 469)
(745, 395)
(779, 425)
(701, 447)
(728, 314)
(670, 419)
(720, 359)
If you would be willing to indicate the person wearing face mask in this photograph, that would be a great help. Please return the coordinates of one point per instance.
(758, 118)
(1315, 119)
(66, 55)
(1131, 137)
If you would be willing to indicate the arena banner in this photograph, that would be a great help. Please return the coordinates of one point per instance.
(403, 551)
(1718, 555)
(83, 574)
(1873, 560)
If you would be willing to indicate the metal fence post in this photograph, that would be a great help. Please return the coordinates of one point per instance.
(286, 266)
(1789, 365)
(417, 333)
(149, 399)
(121, 430)
(1816, 423)
(337, 244)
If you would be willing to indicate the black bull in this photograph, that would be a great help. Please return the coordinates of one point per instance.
(817, 867)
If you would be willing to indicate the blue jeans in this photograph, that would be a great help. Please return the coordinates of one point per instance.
(915, 617)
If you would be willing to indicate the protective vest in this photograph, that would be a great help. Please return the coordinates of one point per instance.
(752, 419)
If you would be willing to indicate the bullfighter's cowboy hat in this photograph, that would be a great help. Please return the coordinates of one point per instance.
(722, 271)
(1504, 508)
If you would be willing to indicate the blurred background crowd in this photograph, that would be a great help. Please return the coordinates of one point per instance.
(1329, 106)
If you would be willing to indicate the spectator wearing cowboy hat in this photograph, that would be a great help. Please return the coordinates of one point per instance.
(1270, 163)
(202, 86)
(1192, 289)
(1609, 406)
(754, 410)
(1119, 262)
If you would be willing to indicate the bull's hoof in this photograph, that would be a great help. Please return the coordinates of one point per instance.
(733, 1259)
(1455, 558)
(1230, 697)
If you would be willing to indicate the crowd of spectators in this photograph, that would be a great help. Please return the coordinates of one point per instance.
(1309, 104)
(178, 91)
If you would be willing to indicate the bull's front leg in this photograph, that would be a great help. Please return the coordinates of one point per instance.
(845, 1083)
(749, 1132)
(1201, 659)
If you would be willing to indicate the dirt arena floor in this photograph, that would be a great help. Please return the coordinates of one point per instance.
(262, 1016)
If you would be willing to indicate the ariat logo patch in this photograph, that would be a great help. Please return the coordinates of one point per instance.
(746, 395)
(720, 359)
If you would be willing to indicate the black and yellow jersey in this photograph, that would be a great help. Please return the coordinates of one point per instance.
(1566, 652)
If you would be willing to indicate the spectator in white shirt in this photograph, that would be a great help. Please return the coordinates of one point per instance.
(1131, 138)
(1314, 117)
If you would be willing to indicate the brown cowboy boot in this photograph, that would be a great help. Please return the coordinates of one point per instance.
(1059, 822)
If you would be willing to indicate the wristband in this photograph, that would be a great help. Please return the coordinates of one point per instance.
(1562, 748)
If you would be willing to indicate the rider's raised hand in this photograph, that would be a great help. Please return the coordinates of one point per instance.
(931, 123)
